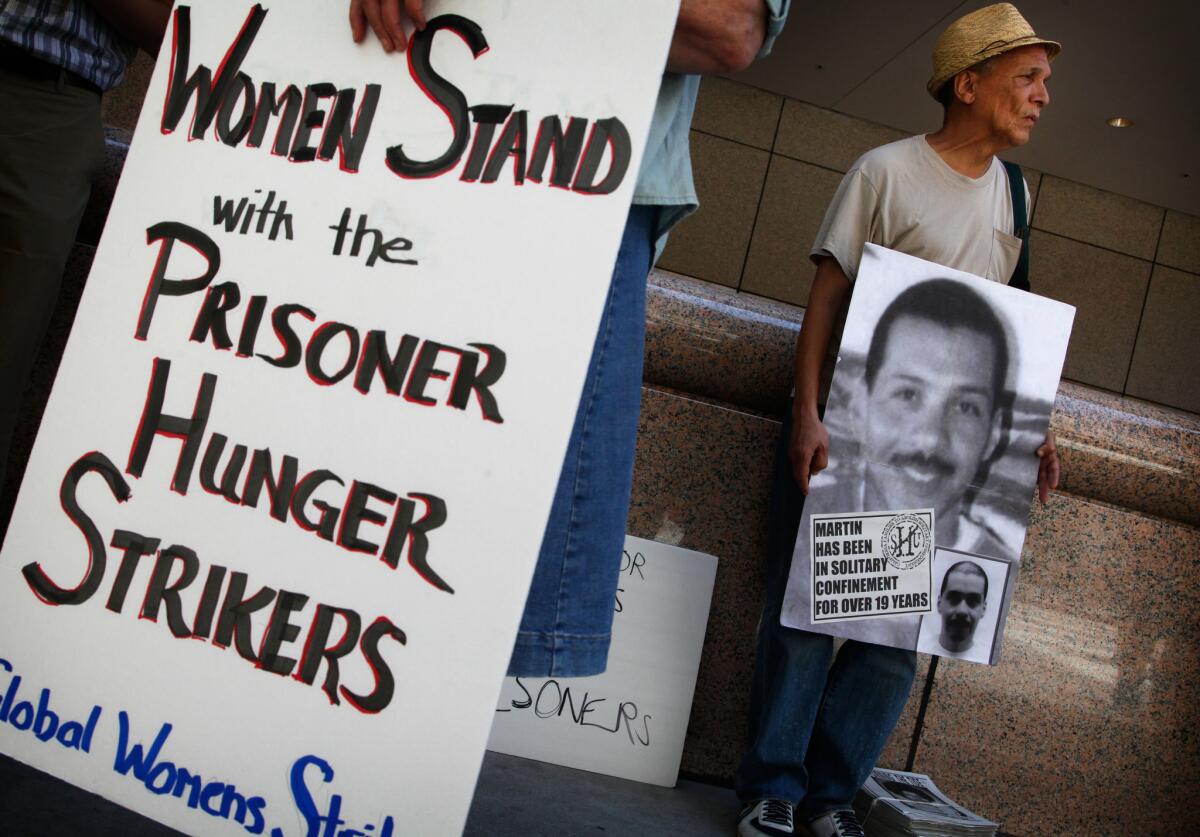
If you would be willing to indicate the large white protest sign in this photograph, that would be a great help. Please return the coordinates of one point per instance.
(631, 720)
(941, 396)
(268, 561)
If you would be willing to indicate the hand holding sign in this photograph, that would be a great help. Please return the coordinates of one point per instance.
(1049, 467)
(808, 448)
(386, 18)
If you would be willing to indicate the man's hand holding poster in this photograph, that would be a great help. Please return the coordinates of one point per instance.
(269, 557)
(941, 396)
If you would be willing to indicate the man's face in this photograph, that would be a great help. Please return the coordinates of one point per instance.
(930, 417)
(962, 605)
(1011, 93)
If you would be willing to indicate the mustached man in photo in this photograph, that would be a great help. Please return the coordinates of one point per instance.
(932, 421)
(961, 603)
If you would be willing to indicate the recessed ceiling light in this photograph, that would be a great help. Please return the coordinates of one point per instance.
(1119, 122)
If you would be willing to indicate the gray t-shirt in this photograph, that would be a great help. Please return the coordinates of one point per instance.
(903, 196)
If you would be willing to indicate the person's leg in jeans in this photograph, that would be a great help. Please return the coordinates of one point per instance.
(567, 623)
(815, 730)
(789, 665)
(867, 688)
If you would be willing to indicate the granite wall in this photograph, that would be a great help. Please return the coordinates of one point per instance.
(1089, 724)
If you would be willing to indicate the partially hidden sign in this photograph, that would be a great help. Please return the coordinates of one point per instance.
(269, 557)
(631, 720)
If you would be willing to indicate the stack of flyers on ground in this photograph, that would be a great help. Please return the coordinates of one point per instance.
(897, 804)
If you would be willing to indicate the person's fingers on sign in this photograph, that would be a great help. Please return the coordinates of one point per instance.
(1049, 467)
(808, 451)
(386, 19)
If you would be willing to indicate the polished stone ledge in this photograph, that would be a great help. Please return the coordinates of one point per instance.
(1129, 453)
(711, 341)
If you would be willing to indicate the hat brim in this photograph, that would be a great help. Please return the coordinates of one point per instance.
(1053, 48)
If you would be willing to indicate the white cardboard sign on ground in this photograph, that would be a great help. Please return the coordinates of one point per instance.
(270, 554)
(631, 720)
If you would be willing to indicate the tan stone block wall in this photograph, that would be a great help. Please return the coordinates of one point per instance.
(1106, 254)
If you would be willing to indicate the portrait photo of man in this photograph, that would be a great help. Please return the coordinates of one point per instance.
(933, 420)
(922, 408)
(961, 603)
(940, 396)
(969, 591)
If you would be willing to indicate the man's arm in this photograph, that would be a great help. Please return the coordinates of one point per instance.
(808, 447)
(142, 21)
(717, 36)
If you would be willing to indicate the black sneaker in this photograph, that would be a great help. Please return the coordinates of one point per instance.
(837, 824)
(766, 818)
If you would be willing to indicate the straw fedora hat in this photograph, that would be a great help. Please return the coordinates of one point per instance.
(976, 37)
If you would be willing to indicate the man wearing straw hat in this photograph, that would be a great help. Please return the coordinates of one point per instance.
(819, 722)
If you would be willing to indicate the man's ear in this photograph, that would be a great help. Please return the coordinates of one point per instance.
(994, 434)
(964, 86)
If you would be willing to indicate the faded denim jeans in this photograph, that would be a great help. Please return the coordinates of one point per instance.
(817, 723)
(567, 623)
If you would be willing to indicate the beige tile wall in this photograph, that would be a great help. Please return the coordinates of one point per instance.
(712, 243)
(767, 166)
(1166, 360)
(1107, 290)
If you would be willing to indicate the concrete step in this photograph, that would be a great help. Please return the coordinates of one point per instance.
(514, 796)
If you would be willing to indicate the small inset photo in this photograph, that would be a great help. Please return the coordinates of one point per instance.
(969, 594)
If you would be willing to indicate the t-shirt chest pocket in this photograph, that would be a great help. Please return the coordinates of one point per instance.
(1006, 251)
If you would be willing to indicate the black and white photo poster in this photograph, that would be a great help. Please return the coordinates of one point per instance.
(941, 396)
(268, 560)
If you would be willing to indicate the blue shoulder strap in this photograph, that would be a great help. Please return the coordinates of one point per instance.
(1016, 184)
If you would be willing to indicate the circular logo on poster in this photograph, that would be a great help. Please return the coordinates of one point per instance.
(906, 541)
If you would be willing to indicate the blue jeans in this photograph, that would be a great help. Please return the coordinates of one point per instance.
(816, 729)
(567, 623)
